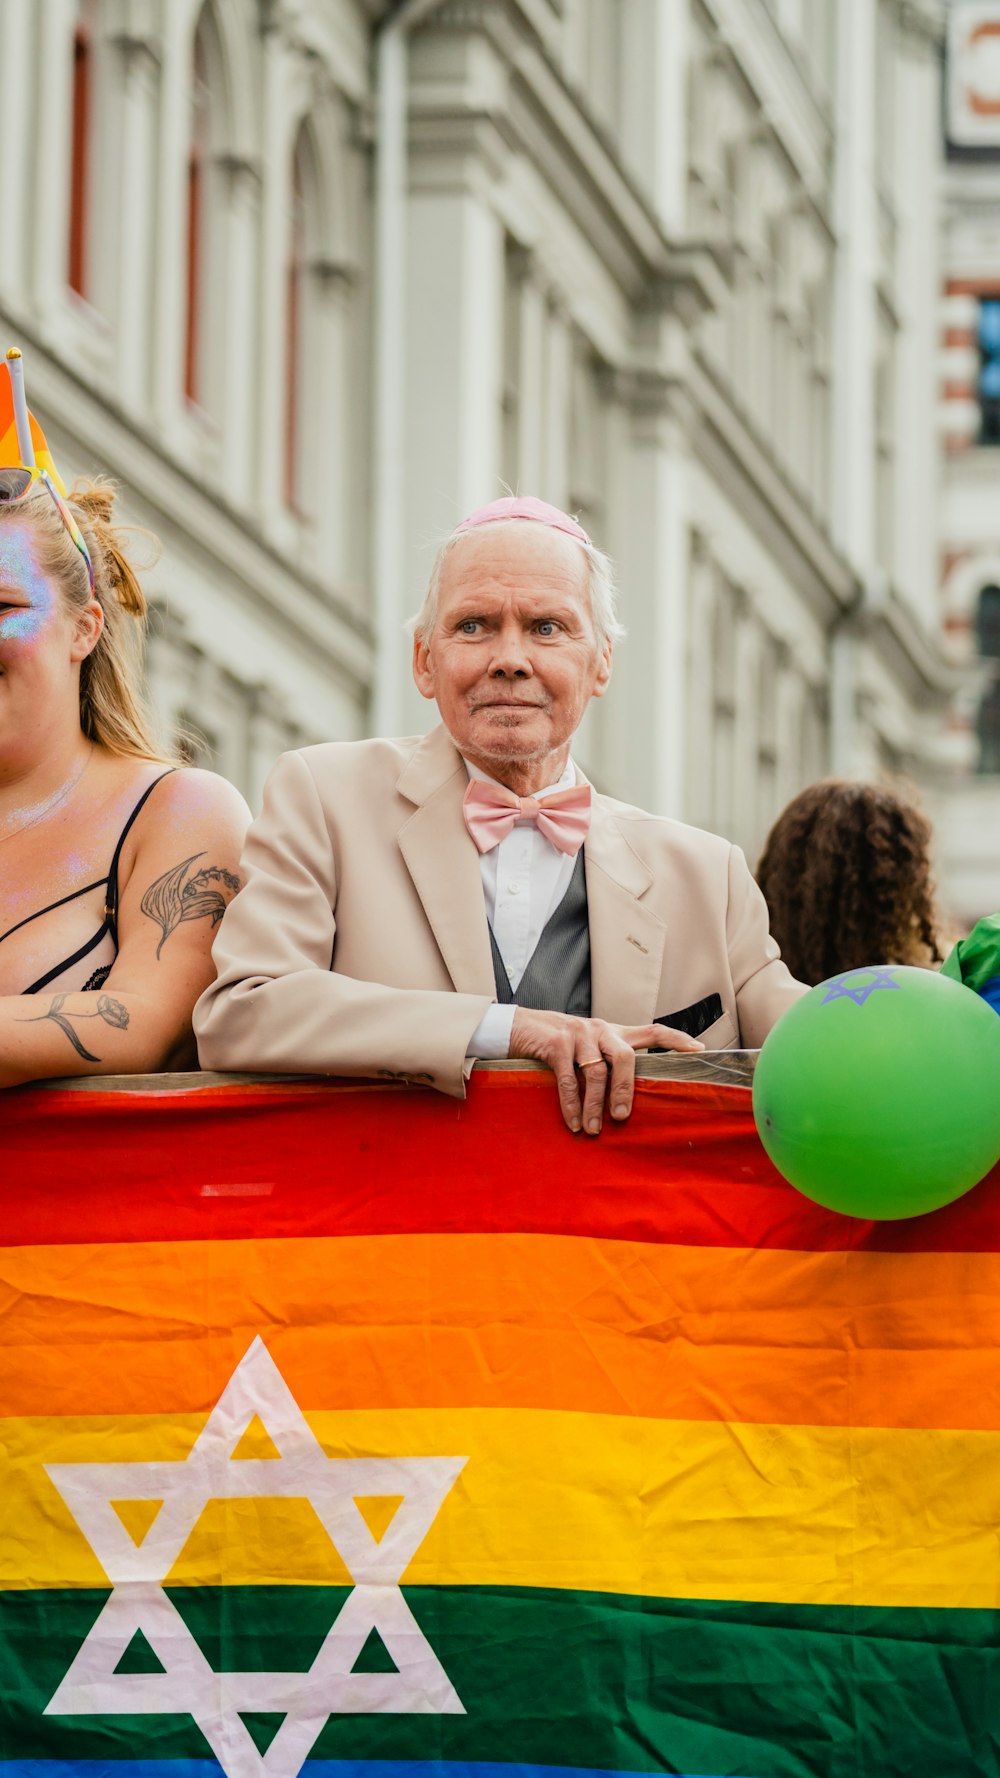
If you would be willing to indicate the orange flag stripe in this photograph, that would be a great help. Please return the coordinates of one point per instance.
(525, 1321)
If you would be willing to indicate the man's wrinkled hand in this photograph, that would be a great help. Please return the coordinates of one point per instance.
(591, 1054)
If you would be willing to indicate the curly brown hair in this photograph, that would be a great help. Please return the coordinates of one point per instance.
(846, 876)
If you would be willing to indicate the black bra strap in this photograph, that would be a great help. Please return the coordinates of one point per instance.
(52, 905)
(111, 899)
(67, 963)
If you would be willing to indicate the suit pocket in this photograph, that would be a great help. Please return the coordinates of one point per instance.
(706, 1020)
(695, 1019)
(723, 1035)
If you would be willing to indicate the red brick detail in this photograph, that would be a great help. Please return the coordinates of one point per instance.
(973, 286)
(79, 177)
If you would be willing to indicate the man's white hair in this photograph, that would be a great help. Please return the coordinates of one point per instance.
(600, 585)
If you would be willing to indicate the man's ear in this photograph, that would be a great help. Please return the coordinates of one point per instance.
(423, 671)
(87, 630)
(603, 678)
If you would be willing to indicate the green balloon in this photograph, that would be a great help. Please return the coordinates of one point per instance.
(878, 1093)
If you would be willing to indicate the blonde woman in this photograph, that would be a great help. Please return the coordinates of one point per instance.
(116, 864)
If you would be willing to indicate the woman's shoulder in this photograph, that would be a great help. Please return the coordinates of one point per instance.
(171, 801)
(195, 791)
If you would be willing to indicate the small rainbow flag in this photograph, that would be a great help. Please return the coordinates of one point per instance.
(353, 1432)
(10, 450)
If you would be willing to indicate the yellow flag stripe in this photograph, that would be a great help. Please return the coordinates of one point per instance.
(695, 1509)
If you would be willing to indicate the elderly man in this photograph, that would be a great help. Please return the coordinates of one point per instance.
(412, 905)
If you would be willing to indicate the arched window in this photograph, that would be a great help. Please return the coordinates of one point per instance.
(197, 198)
(81, 147)
(988, 623)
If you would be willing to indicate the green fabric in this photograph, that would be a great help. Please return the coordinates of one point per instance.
(262, 1726)
(976, 960)
(139, 1657)
(578, 1679)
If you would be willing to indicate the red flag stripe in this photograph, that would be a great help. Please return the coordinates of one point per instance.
(321, 1159)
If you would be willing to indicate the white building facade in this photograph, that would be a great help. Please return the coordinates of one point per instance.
(189, 211)
(967, 803)
(313, 278)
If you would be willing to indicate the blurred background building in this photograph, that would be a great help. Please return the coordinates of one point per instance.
(313, 278)
(967, 806)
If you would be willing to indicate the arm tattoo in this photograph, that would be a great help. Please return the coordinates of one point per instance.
(110, 1010)
(170, 900)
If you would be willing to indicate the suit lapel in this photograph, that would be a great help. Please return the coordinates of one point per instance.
(443, 862)
(626, 937)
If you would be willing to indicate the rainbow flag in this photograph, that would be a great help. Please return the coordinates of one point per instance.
(10, 450)
(352, 1431)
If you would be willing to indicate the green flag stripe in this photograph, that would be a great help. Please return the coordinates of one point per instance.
(574, 1679)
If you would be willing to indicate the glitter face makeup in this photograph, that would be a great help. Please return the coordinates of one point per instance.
(38, 655)
(33, 600)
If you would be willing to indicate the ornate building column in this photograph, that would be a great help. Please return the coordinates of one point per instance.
(650, 749)
(170, 253)
(137, 78)
(17, 76)
(655, 121)
(49, 128)
(454, 312)
(240, 369)
(853, 517)
(918, 281)
(274, 200)
(856, 271)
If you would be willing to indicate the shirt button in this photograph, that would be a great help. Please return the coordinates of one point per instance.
(513, 888)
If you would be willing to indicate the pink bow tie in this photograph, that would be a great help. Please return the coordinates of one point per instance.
(491, 810)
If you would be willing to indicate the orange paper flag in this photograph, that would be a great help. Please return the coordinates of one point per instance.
(10, 450)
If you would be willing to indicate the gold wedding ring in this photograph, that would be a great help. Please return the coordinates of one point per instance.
(595, 1062)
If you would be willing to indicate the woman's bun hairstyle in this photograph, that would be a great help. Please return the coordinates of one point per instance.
(93, 503)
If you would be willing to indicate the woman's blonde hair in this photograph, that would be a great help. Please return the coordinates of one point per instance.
(113, 707)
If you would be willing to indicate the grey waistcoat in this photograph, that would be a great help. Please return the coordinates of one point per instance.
(557, 978)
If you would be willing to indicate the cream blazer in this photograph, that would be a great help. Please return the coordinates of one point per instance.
(359, 943)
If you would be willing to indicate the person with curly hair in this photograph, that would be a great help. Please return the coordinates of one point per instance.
(846, 874)
(116, 862)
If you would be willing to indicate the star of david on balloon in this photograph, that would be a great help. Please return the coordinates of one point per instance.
(849, 987)
(138, 1571)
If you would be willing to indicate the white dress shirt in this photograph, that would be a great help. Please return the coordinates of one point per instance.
(524, 879)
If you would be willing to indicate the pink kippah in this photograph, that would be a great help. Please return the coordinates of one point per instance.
(524, 506)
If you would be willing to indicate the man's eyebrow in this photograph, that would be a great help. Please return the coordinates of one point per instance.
(554, 612)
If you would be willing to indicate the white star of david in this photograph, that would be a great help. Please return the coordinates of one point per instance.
(188, 1685)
